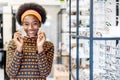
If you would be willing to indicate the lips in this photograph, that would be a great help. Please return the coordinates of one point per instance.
(31, 33)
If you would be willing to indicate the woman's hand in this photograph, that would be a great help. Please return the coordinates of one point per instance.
(40, 41)
(18, 40)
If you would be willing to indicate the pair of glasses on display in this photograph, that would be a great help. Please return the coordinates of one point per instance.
(108, 48)
(108, 73)
(117, 52)
(108, 3)
(102, 53)
(109, 76)
(106, 63)
(118, 72)
(107, 24)
(105, 76)
(62, 68)
(101, 46)
(108, 10)
(110, 60)
(110, 64)
(117, 62)
(84, 12)
(101, 62)
(98, 34)
(84, 33)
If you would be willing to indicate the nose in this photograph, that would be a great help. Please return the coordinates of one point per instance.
(30, 26)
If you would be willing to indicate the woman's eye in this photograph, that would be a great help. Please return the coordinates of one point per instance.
(35, 23)
(25, 24)
(32, 24)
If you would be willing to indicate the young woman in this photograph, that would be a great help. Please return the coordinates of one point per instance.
(29, 57)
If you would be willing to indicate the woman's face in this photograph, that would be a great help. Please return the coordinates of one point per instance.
(31, 25)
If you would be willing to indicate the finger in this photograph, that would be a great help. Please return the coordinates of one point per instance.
(40, 38)
(43, 35)
(15, 39)
(15, 36)
(39, 33)
(21, 40)
(18, 34)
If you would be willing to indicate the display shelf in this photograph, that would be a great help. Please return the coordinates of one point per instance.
(81, 53)
(102, 21)
(92, 33)
(61, 72)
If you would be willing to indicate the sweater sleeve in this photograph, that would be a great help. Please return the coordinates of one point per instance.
(45, 59)
(13, 60)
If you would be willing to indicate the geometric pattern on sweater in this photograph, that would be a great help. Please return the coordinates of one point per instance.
(29, 65)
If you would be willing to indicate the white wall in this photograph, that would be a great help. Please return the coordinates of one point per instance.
(7, 25)
(51, 28)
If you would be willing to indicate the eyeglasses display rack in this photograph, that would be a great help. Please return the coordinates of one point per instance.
(105, 45)
(90, 37)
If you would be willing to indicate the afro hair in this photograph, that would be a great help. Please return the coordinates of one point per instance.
(28, 6)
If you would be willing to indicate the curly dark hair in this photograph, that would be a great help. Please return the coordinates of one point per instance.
(28, 6)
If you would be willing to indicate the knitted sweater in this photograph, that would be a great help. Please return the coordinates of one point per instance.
(29, 65)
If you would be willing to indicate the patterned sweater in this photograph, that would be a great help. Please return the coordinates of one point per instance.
(29, 65)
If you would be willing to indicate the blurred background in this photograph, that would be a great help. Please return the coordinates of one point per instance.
(85, 33)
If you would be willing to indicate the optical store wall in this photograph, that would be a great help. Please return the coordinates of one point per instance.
(85, 33)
